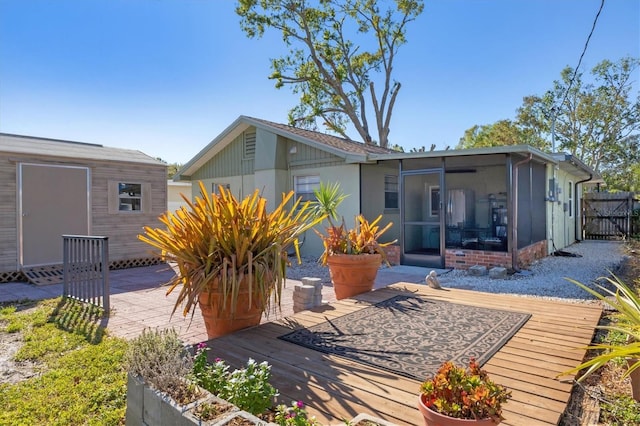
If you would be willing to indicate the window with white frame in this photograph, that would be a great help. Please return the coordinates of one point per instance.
(390, 191)
(130, 196)
(304, 187)
(570, 198)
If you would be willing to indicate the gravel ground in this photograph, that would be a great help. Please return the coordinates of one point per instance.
(544, 279)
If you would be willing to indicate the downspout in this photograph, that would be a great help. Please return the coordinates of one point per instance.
(576, 207)
(514, 217)
(401, 210)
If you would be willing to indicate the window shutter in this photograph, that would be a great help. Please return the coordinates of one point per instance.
(147, 207)
(112, 195)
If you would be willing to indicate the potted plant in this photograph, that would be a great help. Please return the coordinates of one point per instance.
(626, 303)
(231, 255)
(353, 255)
(459, 396)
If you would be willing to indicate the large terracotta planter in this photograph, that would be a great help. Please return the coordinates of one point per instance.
(218, 322)
(353, 274)
(432, 418)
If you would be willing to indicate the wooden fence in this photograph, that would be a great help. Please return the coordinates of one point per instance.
(86, 269)
(610, 216)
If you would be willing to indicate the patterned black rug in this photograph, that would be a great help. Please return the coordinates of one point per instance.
(411, 335)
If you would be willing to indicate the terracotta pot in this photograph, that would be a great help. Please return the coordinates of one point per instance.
(353, 274)
(432, 418)
(219, 322)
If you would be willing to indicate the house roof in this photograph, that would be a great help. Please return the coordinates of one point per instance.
(31, 145)
(565, 161)
(507, 149)
(358, 152)
(576, 167)
(310, 136)
(351, 151)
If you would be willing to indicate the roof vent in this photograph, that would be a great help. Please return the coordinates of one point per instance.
(249, 144)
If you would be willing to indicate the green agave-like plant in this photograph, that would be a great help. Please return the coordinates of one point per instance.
(328, 198)
(219, 241)
(627, 304)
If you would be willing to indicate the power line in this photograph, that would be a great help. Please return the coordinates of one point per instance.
(584, 50)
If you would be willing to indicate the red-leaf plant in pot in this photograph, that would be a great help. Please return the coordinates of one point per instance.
(459, 396)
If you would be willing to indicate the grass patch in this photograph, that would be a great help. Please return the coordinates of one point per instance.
(82, 376)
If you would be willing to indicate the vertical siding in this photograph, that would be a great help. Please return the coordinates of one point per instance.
(561, 226)
(564, 232)
(372, 182)
(228, 162)
(308, 156)
(8, 218)
(122, 228)
(348, 175)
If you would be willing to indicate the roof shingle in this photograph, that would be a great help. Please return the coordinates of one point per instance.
(336, 142)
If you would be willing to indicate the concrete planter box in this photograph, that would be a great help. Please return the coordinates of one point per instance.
(149, 407)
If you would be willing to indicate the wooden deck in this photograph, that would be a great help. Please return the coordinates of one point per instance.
(336, 388)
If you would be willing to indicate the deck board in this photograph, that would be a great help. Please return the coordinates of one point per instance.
(337, 388)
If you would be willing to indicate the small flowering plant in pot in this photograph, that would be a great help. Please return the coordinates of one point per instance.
(456, 395)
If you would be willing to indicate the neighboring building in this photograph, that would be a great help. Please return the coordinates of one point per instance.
(175, 190)
(53, 187)
(501, 206)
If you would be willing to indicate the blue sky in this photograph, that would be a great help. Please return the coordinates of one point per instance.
(167, 76)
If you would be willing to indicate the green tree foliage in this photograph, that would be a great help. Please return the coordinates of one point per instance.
(621, 172)
(172, 168)
(500, 133)
(597, 121)
(592, 120)
(328, 63)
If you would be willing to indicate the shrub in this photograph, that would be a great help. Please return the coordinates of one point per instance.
(464, 394)
(160, 359)
(295, 415)
(247, 388)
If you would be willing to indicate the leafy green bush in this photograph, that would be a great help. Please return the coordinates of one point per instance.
(212, 377)
(294, 415)
(247, 388)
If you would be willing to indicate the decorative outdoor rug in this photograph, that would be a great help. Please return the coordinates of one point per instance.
(411, 335)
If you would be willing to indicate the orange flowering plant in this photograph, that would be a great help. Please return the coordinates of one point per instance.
(464, 393)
